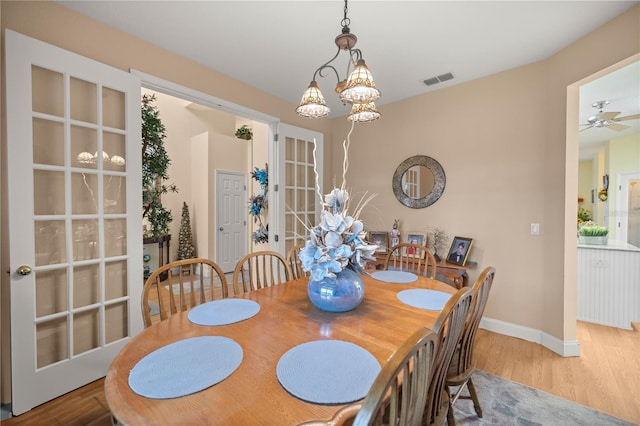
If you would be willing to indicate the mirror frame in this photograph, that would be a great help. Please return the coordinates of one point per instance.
(439, 181)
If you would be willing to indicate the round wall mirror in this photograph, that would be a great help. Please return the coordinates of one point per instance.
(418, 181)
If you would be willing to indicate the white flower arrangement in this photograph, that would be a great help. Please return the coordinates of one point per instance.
(338, 241)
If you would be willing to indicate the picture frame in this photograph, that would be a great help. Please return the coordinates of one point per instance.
(381, 239)
(416, 238)
(459, 251)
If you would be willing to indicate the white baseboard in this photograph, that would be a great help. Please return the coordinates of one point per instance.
(564, 348)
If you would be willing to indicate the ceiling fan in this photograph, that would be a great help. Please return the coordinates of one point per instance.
(607, 119)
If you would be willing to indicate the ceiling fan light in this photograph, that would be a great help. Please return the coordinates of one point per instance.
(361, 88)
(312, 104)
(363, 113)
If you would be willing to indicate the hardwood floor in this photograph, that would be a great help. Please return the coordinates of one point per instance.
(605, 377)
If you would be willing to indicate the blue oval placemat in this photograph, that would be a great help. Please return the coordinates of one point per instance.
(432, 300)
(401, 277)
(185, 367)
(327, 371)
(223, 311)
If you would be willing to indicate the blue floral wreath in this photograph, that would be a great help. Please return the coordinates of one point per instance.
(258, 205)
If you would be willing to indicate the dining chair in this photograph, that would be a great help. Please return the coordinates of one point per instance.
(448, 327)
(412, 258)
(399, 390)
(294, 262)
(463, 363)
(180, 285)
(260, 269)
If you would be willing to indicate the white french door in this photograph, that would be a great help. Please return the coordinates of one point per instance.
(300, 204)
(74, 204)
(231, 219)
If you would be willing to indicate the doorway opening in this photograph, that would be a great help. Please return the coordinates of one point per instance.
(202, 147)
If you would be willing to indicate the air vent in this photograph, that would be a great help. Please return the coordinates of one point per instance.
(439, 79)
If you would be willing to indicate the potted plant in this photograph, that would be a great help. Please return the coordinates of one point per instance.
(244, 132)
(590, 232)
(155, 166)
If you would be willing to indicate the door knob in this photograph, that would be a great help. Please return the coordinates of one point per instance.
(221, 228)
(23, 270)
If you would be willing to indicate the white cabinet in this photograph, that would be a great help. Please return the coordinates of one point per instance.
(609, 284)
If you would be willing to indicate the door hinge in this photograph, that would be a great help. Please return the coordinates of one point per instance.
(275, 238)
(244, 187)
(275, 137)
(245, 223)
(275, 187)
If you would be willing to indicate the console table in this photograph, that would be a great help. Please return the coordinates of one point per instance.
(455, 273)
(163, 250)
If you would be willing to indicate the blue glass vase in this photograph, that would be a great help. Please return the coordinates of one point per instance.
(339, 294)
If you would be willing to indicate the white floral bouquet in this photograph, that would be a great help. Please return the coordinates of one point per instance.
(338, 241)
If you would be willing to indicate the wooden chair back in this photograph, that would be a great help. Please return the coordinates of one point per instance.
(462, 363)
(411, 257)
(400, 389)
(448, 327)
(178, 286)
(260, 269)
(293, 260)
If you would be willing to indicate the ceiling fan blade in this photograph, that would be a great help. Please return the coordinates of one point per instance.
(586, 128)
(617, 127)
(609, 115)
(628, 117)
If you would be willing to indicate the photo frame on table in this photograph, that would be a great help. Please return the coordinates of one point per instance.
(459, 251)
(381, 239)
(416, 238)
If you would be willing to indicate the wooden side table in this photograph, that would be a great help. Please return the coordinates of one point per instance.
(455, 273)
(163, 255)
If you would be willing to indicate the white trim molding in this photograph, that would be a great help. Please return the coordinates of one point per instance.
(564, 348)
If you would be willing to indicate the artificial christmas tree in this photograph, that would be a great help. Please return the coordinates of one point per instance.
(185, 238)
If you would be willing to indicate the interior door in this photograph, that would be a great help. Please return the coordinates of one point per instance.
(74, 213)
(301, 203)
(231, 219)
(629, 208)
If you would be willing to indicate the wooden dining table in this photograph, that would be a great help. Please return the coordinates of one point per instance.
(252, 395)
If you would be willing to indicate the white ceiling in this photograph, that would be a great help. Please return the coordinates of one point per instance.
(622, 89)
(277, 45)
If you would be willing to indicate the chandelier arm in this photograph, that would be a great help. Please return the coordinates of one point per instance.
(357, 53)
(354, 56)
(326, 65)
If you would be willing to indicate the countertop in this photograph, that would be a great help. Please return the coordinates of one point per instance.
(611, 245)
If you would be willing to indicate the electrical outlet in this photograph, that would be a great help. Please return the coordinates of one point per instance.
(535, 229)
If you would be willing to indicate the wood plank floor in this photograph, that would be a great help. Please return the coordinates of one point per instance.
(605, 377)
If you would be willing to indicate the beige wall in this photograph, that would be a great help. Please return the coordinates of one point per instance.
(505, 170)
(509, 160)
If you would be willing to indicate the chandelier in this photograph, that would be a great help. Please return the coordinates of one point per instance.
(359, 89)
